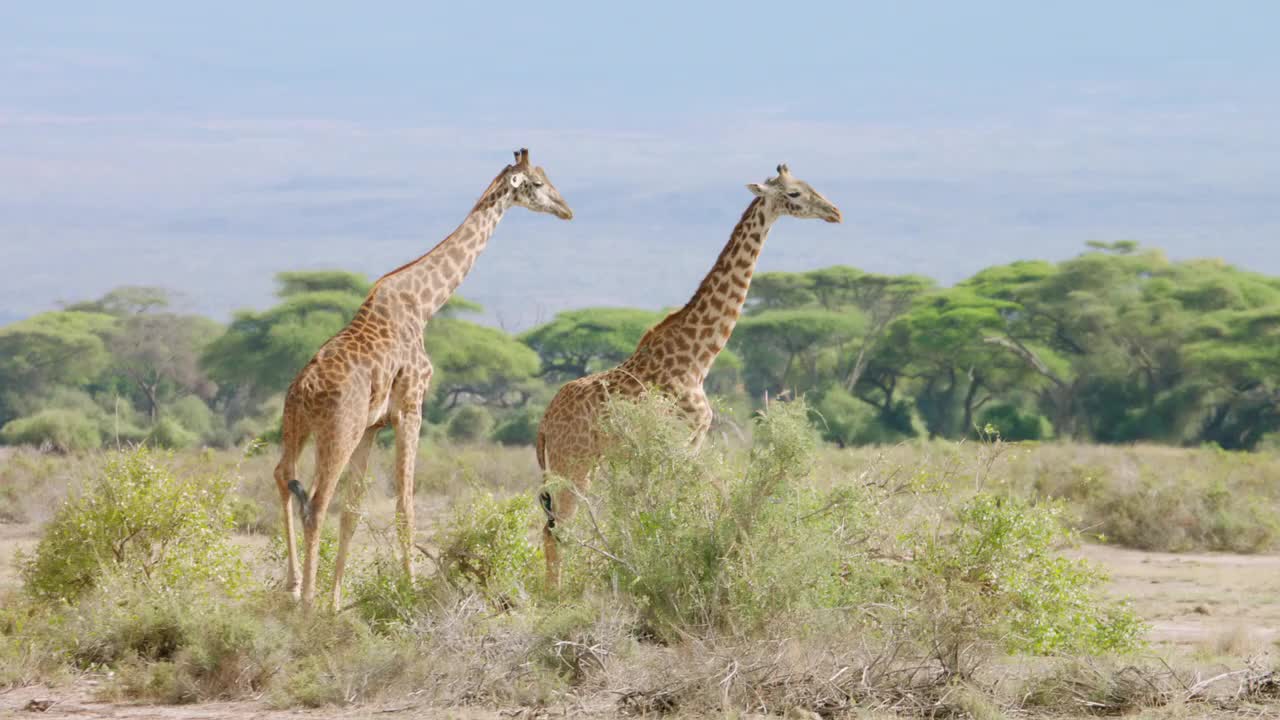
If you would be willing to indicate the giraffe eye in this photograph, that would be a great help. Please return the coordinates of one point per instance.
(793, 194)
(537, 183)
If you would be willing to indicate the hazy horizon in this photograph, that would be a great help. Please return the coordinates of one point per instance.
(207, 149)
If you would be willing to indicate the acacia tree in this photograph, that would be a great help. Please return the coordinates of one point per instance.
(880, 298)
(262, 351)
(578, 342)
(61, 348)
(1235, 353)
(159, 353)
(938, 347)
(482, 363)
(781, 349)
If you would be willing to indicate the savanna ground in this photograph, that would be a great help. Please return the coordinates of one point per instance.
(1188, 537)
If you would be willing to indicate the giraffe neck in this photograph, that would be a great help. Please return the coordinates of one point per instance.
(699, 331)
(421, 287)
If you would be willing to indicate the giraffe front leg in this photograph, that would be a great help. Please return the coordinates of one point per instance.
(407, 426)
(700, 414)
(357, 484)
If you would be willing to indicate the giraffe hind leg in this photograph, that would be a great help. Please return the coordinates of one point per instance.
(293, 438)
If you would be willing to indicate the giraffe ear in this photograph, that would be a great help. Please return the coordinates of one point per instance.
(756, 189)
(516, 179)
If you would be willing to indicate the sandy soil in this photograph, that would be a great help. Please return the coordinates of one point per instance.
(1197, 599)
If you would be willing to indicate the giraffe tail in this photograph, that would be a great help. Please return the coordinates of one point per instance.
(304, 502)
(544, 497)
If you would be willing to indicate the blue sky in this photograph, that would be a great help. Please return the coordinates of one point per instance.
(206, 149)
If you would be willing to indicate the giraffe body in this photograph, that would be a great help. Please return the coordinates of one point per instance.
(673, 357)
(374, 373)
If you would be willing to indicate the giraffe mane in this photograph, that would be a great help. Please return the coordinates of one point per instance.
(494, 186)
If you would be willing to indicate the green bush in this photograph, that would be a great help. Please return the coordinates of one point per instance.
(169, 433)
(998, 575)
(337, 660)
(470, 423)
(1013, 424)
(703, 544)
(485, 547)
(845, 420)
(519, 428)
(705, 549)
(193, 415)
(277, 553)
(63, 430)
(384, 597)
(120, 619)
(138, 520)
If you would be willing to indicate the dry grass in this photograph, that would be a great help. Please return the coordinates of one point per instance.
(598, 658)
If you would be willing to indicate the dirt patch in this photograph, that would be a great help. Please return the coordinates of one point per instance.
(1196, 598)
(14, 538)
(77, 702)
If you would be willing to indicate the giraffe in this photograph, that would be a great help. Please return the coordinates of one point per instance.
(374, 373)
(674, 356)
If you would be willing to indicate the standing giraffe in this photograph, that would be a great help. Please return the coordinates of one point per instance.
(674, 356)
(375, 372)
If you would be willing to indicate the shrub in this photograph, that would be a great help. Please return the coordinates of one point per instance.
(63, 430)
(846, 420)
(26, 655)
(135, 518)
(706, 551)
(1156, 514)
(1013, 424)
(1161, 499)
(997, 575)
(193, 415)
(470, 423)
(336, 660)
(384, 597)
(519, 428)
(169, 433)
(277, 553)
(485, 547)
(704, 545)
(120, 619)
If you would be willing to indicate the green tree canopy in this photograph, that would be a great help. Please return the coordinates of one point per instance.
(53, 348)
(482, 362)
(263, 351)
(781, 348)
(158, 354)
(578, 342)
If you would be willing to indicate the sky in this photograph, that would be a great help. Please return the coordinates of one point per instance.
(205, 149)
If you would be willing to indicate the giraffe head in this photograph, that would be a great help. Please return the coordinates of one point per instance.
(531, 188)
(795, 197)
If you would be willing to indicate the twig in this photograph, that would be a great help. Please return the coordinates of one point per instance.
(1195, 689)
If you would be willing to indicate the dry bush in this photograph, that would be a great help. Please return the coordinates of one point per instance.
(454, 470)
(776, 577)
(1160, 498)
(32, 482)
(1235, 641)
